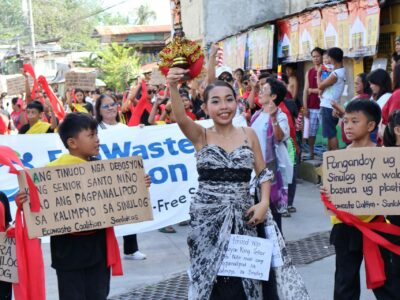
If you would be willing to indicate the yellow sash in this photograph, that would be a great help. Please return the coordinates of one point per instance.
(39, 127)
(80, 108)
(365, 219)
(66, 159)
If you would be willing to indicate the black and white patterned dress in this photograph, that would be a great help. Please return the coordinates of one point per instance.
(216, 211)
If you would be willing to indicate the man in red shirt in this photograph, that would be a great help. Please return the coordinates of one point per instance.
(311, 99)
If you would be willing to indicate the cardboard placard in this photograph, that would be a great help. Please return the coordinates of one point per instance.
(247, 257)
(88, 196)
(363, 181)
(80, 79)
(15, 85)
(156, 77)
(8, 259)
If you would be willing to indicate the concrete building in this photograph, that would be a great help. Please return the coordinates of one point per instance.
(210, 21)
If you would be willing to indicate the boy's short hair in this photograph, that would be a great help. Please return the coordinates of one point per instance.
(369, 108)
(35, 105)
(278, 89)
(336, 54)
(73, 124)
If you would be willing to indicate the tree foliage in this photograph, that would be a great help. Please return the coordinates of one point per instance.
(144, 15)
(119, 65)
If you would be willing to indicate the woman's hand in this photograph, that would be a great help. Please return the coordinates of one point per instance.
(147, 180)
(21, 198)
(257, 213)
(175, 75)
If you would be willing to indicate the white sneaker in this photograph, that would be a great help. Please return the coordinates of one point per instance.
(136, 256)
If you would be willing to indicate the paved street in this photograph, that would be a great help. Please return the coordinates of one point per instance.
(162, 274)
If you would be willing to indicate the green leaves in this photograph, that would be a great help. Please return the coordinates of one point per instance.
(119, 65)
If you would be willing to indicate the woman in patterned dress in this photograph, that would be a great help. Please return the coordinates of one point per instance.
(226, 157)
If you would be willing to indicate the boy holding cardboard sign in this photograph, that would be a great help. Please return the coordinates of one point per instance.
(82, 260)
(361, 118)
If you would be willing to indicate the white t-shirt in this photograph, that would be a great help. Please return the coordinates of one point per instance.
(103, 125)
(383, 99)
(260, 127)
(335, 91)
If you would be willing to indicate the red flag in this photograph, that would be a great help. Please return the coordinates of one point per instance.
(55, 102)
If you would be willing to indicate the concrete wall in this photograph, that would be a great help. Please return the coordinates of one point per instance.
(224, 18)
(192, 18)
(296, 6)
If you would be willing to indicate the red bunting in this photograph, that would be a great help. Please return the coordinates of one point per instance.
(374, 265)
(142, 105)
(113, 255)
(29, 69)
(55, 102)
(2, 217)
(31, 285)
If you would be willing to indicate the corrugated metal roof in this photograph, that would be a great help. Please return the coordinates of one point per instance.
(130, 29)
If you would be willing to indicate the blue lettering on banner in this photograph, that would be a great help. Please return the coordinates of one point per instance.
(153, 150)
(26, 159)
(160, 175)
(116, 151)
(53, 154)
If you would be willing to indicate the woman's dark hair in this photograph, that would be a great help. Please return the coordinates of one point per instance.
(395, 57)
(14, 101)
(83, 93)
(73, 124)
(389, 136)
(217, 83)
(99, 117)
(370, 109)
(382, 79)
(239, 70)
(365, 83)
(292, 66)
(396, 77)
(277, 88)
(319, 50)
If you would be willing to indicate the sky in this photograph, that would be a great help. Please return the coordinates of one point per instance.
(160, 7)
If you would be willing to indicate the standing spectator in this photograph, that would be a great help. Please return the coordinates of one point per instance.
(18, 114)
(5, 123)
(311, 101)
(78, 103)
(272, 94)
(394, 101)
(108, 118)
(332, 89)
(237, 85)
(397, 45)
(380, 83)
(293, 83)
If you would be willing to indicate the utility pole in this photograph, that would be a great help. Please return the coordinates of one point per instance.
(32, 31)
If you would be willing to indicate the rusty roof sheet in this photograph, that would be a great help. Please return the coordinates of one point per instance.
(130, 29)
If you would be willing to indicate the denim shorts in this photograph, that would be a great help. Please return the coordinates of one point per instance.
(329, 122)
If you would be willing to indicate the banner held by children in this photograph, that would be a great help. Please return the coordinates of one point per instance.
(8, 259)
(93, 195)
(363, 182)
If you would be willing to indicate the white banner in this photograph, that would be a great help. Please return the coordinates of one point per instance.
(167, 155)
